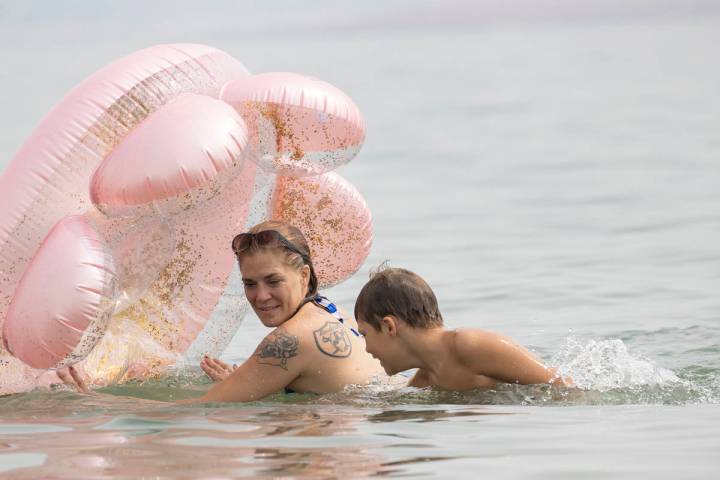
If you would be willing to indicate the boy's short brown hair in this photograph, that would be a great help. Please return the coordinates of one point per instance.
(400, 293)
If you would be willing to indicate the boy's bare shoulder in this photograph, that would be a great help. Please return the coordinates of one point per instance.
(465, 337)
(470, 343)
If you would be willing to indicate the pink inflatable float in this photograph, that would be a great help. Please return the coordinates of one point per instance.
(333, 216)
(118, 211)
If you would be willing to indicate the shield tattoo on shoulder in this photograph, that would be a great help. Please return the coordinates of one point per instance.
(332, 340)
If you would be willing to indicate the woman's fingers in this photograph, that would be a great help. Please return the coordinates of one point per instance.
(215, 369)
(71, 377)
(220, 364)
(79, 380)
(65, 377)
(210, 369)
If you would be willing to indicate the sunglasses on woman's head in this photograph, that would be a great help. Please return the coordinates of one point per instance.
(264, 239)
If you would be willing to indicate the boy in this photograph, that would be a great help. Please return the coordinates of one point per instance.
(397, 312)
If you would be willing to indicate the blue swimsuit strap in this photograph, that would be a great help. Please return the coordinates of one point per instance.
(330, 307)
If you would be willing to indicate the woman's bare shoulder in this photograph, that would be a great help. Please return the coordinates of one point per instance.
(320, 332)
(307, 319)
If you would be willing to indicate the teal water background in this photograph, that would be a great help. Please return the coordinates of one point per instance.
(551, 168)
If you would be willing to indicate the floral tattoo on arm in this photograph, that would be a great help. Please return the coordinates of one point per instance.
(277, 349)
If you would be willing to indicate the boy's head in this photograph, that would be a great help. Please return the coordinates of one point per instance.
(394, 301)
(400, 293)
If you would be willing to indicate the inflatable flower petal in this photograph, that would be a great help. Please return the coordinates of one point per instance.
(334, 218)
(298, 125)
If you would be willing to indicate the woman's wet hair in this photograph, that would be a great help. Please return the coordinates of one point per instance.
(400, 293)
(292, 259)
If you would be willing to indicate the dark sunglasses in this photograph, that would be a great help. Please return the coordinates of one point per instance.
(264, 239)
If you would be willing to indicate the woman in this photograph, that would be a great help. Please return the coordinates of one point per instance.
(312, 347)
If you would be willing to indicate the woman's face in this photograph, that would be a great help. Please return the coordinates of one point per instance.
(273, 288)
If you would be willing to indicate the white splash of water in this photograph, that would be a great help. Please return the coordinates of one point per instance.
(607, 364)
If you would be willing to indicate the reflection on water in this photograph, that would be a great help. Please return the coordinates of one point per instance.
(72, 436)
(297, 440)
(423, 416)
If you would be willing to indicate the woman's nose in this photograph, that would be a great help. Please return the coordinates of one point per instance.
(263, 293)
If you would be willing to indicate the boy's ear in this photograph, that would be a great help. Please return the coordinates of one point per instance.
(389, 324)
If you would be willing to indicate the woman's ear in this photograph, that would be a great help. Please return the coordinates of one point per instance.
(305, 275)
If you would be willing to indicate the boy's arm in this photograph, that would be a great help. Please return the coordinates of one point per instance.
(496, 356)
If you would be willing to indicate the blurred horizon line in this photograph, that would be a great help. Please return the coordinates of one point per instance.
(289, 18)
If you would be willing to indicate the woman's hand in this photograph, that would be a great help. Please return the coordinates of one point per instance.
(70, 376)
(216, 369)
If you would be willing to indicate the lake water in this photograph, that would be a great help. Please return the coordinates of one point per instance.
(551, 169)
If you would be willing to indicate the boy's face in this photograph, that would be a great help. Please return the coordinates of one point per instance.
(383, 345)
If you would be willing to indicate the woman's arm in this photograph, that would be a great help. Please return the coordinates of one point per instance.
(278, 361)
(498, 357)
